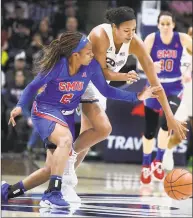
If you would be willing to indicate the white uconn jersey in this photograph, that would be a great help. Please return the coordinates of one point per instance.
(186, 63)
(185, 109)
(115, 61)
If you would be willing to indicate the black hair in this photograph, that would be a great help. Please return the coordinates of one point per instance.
(166, 13)
(120, 15)
(63, 46)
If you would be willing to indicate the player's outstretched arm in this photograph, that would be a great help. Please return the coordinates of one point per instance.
(118, 94)
(138, 48)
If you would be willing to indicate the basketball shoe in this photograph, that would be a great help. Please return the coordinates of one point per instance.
(157, 170)
(70, 195)
(145, 175)
(53, 199)
(4, 191)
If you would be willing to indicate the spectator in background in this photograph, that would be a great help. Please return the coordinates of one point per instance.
(71, 24)
(40, 9)
(19, 30)
(10, 98)
(45, 31)
(70, 11)
(34, 51)
(19, 65)
(65, 9)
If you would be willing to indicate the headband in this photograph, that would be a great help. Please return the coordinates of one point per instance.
(81, 44)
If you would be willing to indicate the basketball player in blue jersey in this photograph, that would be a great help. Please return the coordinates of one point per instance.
(112, 43)
(184, 112)
(165, 47)
(66, 68)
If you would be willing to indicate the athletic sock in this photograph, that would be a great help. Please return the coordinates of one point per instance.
(146, 159)
(55, 183)
(16, 190)
(160, 153)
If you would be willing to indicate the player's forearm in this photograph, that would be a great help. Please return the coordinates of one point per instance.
(118, 94)
(27, 96)
(113, 76)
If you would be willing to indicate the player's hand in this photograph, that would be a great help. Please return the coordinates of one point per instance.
(14, 113)
(131, 77)
(157, 66)
(178, 127)
(149, 92)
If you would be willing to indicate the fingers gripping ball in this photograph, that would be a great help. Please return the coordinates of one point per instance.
(178, 184)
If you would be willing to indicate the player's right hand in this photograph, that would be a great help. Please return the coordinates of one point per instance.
(131, 77)
(149, 92)
(177, 126)
(14, 113)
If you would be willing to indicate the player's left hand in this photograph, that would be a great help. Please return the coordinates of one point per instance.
(178, 127)
(132, 77)
(149, 92)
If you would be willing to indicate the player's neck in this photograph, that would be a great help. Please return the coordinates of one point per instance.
(73, 66)
(166, 39)
(117, 42)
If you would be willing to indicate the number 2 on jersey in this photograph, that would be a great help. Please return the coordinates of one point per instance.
(167, 65)
(66, 98)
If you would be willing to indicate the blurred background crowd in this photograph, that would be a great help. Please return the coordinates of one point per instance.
(28, 25)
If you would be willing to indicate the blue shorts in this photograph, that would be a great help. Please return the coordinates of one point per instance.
(171, 89)
(46, 116)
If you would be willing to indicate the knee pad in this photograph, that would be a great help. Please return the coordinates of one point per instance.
(149, 134)
(164, 125)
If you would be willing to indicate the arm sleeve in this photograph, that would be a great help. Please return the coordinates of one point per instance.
(108, 91)
(31, 89)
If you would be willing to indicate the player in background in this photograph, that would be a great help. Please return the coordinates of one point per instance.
(112, 43)
(165, 47)
(66, 68)
(184, 112)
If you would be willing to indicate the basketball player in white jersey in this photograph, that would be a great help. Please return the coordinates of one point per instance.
(184, 111)
(112, 43)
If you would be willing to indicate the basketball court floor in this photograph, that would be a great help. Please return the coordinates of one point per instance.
(106, 190)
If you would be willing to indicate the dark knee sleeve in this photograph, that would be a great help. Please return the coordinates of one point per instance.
(174, 102)
(151, 123)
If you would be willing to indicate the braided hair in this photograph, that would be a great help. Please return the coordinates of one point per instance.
(58, 48)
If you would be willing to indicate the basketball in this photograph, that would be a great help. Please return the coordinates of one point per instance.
(178, 184)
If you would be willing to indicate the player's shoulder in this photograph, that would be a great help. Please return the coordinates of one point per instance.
(98, 34)
(94, 63)
(151, 37)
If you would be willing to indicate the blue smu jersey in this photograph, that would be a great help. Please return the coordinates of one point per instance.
(64, 91)
(169, 55)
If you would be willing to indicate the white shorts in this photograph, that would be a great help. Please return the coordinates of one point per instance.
(185, 109)
(91, 93)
